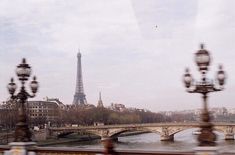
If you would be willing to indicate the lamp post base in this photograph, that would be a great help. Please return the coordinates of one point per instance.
(207, 137)
(22, 132)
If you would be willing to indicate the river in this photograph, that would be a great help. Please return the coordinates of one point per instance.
(184, 140)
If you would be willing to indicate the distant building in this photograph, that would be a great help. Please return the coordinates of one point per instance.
(117, 107)
(10, 104)
(43, 111)
(231, 111)
(56, 100)
(98, 123)
(39, 112)
(219, 111)
(167, 113)
(89, 106)
(132, 109)
(100, 102)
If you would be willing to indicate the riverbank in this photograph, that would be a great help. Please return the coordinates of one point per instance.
(69, 139)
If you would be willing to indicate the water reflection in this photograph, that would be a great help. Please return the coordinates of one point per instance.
(184, 140)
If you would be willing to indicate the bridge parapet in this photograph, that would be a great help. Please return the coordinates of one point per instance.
(165, 130)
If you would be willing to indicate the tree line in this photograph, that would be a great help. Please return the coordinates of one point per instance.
(84, 116)
(89, 116)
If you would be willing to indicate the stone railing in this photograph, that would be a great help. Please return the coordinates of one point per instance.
(35, 150)
(82, 151)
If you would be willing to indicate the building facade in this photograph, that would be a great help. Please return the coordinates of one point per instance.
(117, 107)
(41, 112)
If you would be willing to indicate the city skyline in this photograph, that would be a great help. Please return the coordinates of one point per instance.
(135, 57)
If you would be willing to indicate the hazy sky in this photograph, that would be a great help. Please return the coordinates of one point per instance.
(124, 55)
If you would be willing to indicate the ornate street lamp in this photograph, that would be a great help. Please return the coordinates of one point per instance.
(23, 71)
(204, 86)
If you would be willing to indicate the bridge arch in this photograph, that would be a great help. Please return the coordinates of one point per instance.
(120, 131)
(115, 133)
(63, 134)
(180, 129)
(168, 132)
(66, 133)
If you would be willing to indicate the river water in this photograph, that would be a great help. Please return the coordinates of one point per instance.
(184, 140)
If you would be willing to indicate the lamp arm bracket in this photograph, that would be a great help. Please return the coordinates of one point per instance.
(190, 90)
(13, 97)
(30, 96)
(218, 89)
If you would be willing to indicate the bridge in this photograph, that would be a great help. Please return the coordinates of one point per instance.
(165, 130)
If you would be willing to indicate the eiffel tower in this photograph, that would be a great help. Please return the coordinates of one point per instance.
(79, 96)
(100, 102)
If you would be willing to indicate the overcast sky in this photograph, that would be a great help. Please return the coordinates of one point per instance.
(124, 55)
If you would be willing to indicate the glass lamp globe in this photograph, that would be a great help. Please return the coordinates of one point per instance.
(187, 78)
(23, 70)
(11, 87)
(221, 75)
(34, 85)
(202, 59)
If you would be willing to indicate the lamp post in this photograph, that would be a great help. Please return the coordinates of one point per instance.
(204, 86)
(23, 71)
